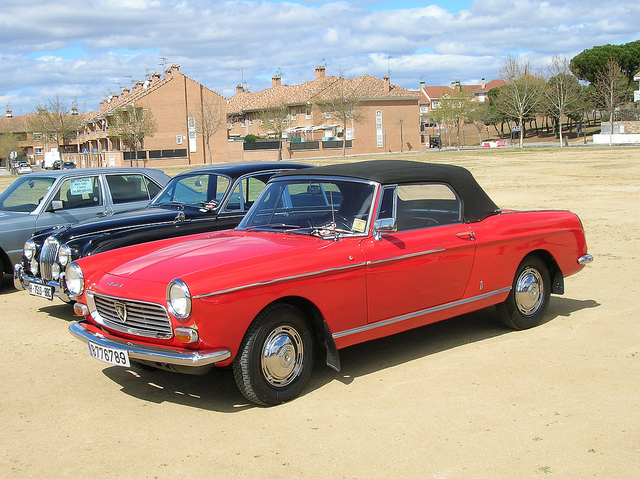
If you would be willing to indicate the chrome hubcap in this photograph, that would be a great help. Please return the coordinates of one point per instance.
(282, 356)
(529, 292)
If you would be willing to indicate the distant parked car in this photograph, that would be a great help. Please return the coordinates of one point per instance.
(40, 200)
(325, 258)
(68, 165)
(24, 168)
(56, 165)
(205, 199)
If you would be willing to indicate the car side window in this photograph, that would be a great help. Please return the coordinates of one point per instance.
(80, 193)
(425, 205)
(246, 192)
(152, 188)
(127, 188)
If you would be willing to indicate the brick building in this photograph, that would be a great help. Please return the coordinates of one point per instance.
(386, 118)
(175, 101)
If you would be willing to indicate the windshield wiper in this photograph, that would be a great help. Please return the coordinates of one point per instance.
(177, 203)
(325, 231)
(274, 226)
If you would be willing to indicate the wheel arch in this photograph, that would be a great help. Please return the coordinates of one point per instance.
(557, 278)
(319, 326)
(7, 267)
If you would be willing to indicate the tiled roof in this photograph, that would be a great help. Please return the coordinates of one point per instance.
(14, 123)
(366, 86)
(140, 90)
(438, 91)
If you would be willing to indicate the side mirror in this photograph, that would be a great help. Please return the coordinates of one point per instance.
(383, 225)
(56, 205)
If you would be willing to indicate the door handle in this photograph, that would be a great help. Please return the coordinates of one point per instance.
(467, 234)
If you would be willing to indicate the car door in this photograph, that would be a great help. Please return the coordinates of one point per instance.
(76, 199)
(244, 193)
(425, 263)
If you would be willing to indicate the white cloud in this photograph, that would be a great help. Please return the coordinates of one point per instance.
(61, 45)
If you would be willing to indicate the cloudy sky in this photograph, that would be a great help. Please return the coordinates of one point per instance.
(87, 49)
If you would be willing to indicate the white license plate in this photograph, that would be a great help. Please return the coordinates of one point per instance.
(41, 290)
(117, 357)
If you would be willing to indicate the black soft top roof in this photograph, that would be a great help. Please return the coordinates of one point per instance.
(477, 204)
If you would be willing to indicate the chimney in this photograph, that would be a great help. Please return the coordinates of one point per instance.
(422, 86)
(387, 85)
(483, 84)
(276, 80)
(74, 110)
(9, 113)
(239, 88)
(320, 72)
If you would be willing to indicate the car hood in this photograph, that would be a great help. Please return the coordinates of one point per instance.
(216, 262)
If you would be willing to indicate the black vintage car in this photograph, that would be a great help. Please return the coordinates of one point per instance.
(195, 201)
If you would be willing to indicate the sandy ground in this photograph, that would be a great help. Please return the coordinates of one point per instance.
(460, 399)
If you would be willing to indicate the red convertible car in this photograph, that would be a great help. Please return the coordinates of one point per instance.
(326, 257)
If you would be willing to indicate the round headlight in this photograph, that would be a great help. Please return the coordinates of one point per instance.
(29, 249)
(64, 255)
(179, 299)
(74, 279)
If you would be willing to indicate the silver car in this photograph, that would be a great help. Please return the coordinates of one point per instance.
(41, 200)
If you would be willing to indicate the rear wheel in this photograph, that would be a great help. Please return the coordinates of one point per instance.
(276, 356)
(529, 296)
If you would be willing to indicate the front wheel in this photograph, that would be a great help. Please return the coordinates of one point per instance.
(276, 356)
(529, 296)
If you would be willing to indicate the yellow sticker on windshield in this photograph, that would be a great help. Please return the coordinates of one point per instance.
(359, 225)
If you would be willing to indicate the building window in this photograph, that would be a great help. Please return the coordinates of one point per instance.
(37, 137)
(308, 114)
(327, 115)
(293, 114)
(379, 134)
(38, 150)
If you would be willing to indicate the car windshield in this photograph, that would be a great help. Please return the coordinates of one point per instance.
(24, 194)
(322, 207)
(198, 190)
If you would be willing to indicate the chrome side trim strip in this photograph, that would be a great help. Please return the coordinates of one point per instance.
(406, 256)
(149, 353)
(279, 280)
(415, 314)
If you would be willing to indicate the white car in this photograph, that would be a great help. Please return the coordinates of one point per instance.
(24, 168)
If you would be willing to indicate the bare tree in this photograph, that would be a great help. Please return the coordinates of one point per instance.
(210, 118)
(56, 120)
(8, 144)
(275, 119)
(610, 90)
(520, 98)
(453, 109)
(132, 125)
(563, 93)
(342, 103)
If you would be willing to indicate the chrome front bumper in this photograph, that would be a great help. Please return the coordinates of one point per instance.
(147, 353)
(22, 281)
(586, 259)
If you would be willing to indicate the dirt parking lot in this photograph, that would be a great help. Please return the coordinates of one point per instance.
(465, 398)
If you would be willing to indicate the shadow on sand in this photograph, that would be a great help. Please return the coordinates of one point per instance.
(216, 391)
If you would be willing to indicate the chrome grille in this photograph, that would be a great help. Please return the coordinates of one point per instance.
(133, 317)
(48, 256)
